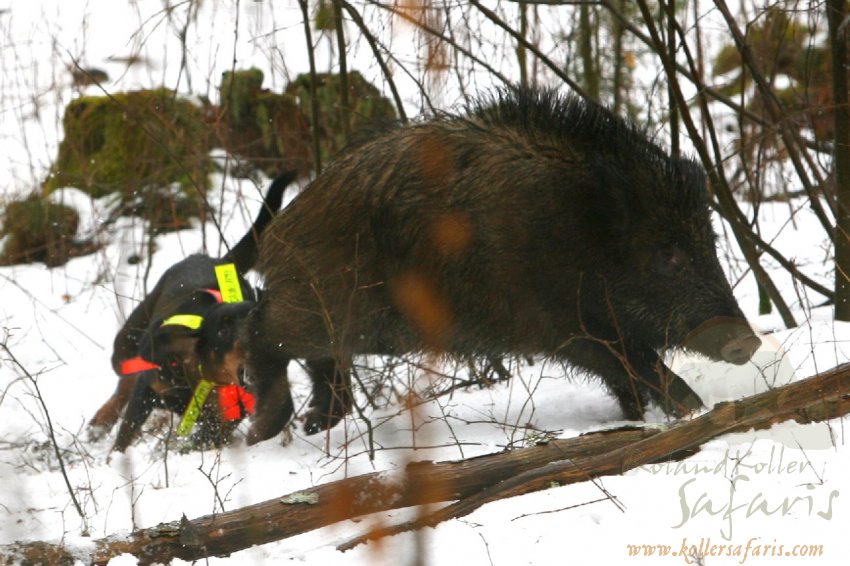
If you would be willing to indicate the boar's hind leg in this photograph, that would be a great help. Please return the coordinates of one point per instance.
(634, 377)
(331, 394)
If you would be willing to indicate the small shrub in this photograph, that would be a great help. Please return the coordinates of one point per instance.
(166, 210)
(38, 230)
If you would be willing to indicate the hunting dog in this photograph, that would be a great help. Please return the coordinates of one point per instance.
(179, 345)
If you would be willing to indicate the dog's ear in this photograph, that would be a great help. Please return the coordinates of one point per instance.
(172, 340)
(221, 329)
(222, 322)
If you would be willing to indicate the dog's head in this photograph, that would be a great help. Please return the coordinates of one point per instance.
(200, 341)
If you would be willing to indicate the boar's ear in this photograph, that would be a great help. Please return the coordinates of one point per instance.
(691, 185)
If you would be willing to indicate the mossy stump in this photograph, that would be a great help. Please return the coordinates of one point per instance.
(365, 104)
(261, 126)
(134, 143)
(272, 131)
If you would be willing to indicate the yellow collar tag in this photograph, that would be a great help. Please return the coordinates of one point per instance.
(199, 397)
(228, 283)
(192, 321)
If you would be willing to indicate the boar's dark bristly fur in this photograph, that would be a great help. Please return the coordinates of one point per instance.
(535, 224)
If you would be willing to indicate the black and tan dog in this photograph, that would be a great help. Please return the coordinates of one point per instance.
(179, 345)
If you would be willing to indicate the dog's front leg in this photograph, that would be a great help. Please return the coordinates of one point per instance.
(142, 401)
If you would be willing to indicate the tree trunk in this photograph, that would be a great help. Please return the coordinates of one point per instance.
(836, 13)
(591, 70)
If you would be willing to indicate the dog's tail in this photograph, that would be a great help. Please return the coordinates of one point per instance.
(244, 253)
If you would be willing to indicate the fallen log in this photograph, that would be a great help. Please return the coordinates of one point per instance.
(470, 483)
(814, 399)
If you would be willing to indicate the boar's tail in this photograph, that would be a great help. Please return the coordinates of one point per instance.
(244, 253)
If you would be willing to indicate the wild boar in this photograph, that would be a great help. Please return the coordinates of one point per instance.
(533, 224)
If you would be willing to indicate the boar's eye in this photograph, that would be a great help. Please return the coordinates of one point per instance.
(671, 260)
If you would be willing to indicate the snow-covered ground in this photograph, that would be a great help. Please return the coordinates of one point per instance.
(763, 493)
(779, 488)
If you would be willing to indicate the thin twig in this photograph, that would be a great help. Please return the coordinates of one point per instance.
(493, 17)
(373, 44)
(314, 99)
(54, 443)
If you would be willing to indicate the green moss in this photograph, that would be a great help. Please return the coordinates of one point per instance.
(38, 230)
(238, 91)
(365, 104)
(261, 126)
(130, 142)
(727, 59)
(784, 47)
(325, 19)
(272, 131)
(138, 143)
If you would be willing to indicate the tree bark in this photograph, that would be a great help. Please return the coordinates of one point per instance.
(591, 70)
(836, 13)
(471, 482)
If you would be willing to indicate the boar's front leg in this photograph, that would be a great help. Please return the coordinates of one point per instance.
(634, 375)
(275, 408)
(267, 362)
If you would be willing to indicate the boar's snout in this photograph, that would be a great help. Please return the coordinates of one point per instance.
(740, 350)
(724, 339)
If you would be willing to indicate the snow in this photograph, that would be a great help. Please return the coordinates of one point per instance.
(764, 489)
